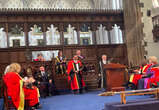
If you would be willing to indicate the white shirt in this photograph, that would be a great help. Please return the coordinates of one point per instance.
(60, 58)
(77, 67)
(104, 62)
(42, 73)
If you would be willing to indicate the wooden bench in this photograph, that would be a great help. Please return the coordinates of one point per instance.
(123, 94)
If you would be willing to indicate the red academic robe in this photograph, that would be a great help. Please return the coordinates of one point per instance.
(155, 78)
(14, 85)
(32, 95)
(76, 79)
(18, 93)
(135, 77)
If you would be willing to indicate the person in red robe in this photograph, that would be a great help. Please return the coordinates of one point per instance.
(147, 73)
(14, 85)
(31, 93)
(153, 81)
(17, 90)
(141, 73)
(75, 75)
(138, 74)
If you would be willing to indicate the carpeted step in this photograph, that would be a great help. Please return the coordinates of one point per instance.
(147, 104)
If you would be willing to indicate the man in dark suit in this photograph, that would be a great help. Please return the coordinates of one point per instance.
(44, 81)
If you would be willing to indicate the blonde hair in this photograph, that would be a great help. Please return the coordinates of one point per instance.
(153, 59)
(14, 67)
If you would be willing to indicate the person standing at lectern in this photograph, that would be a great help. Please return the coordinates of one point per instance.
(102, 74)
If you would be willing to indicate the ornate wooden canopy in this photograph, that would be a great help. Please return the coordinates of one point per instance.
(61, 17)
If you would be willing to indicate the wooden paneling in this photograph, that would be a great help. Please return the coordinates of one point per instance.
(92, 54)
(4, 57)
(22, 57)
(68, 53)
(17, 57)
(13, 57)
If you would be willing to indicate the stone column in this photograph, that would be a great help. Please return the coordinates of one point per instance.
(78, 33)
(44, 34)
(109, 28)
(26, 31)
(93, 29)
(7, 31)
(61, 31)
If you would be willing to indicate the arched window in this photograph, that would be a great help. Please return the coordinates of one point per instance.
(116, 35)
(102, 35)
(36, 37)
(85, 35)
(3, 38)
(70, 35)
(52, 36)
(16, 36)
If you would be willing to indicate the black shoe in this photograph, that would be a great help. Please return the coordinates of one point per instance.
(38, 106)
(76, 92)
(50, 95)
(33, 108)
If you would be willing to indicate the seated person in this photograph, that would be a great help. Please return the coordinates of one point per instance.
(60, 64)
(31, 92)
(147, 73)
(15, 85)
(153, 81)
(44, 81)
(39, 57)
(30, 88)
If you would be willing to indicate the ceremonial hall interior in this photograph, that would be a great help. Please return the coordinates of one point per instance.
(79, 54)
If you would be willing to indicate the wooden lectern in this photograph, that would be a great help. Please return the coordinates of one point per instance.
(115, 75)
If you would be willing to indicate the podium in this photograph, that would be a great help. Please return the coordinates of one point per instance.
(115, 76)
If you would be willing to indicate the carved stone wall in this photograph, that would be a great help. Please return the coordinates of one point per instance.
(63, 4)
(151, 47)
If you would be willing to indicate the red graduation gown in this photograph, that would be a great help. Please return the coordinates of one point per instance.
(155, 78)
(135, 77)
(76, 79)
(32, 95)
(14, 85)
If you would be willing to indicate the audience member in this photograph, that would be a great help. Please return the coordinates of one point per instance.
(44, 81)
(39, 57)
(60, 64)
(16, 88)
